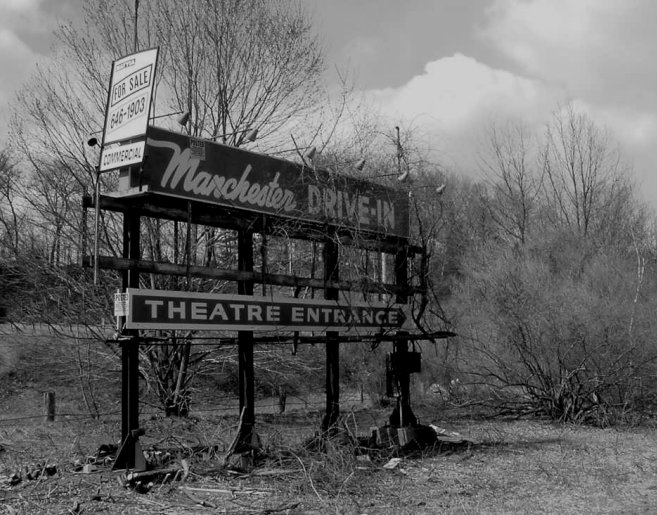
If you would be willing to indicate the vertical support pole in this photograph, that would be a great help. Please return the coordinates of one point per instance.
(402, 415)
(130, 349)
(96, 224)
(188, 245)
(49, 405)
(130, 454)
(245, 348)
(135, 41)
(83, 235)
(331, 273)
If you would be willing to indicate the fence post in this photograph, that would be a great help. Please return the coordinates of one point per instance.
(49, 405)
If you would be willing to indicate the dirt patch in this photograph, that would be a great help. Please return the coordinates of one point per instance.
(512, 467)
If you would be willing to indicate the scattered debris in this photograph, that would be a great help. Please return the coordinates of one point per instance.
(392, 464)
(185, 467)
(418, 437)
(104, 457)
(14, 479)
(156, 474)
(30, 473)
(107, 450)
(444, 436)
(273, 472)
(287, 508)
(75, 509)
(142, 488)
(200, 502)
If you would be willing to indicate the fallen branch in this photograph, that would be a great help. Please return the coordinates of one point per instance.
(205, 504)
(272, 472)
(285, 507)
(233, 445)
(132, 477)
(231, 491)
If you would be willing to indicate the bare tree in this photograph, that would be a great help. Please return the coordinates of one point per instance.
(560, 324)
(581, 165)
(237, 66)
(234, 65)
(509, 164)
(11, 217)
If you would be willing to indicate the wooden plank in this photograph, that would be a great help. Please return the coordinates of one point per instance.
(170, 208)
(246, 373)
(331, 274)
(221, 274)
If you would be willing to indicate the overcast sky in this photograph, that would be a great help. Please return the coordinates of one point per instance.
(450, 66)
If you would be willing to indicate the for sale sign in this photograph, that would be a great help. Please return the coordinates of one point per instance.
(130, 93)
(160, 309)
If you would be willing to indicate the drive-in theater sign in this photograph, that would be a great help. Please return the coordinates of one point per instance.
(202, 170)
(194, 181)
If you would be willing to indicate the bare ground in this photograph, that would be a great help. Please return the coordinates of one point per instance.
(510, 466)
(520, 466)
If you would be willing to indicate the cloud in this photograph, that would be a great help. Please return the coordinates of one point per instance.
(454, 100)
(454, 90)
(598, 49)
(457, 96)
(16, 56)
(600, 52)
(25, 37)
(594, 53)
(19, 59)
(25, 6)
(24, 17)
(361, 47)
(12, 48)
(15, 53)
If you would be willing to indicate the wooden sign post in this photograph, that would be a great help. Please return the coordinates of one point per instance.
(331, 274)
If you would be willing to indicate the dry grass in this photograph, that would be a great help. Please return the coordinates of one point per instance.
(513, 467)
(521, 466)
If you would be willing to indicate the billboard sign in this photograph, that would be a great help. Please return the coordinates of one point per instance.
(129, 99)
(164, 309)
(203, 170)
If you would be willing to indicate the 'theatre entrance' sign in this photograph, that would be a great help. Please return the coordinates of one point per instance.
(202, 170)
(161, 309)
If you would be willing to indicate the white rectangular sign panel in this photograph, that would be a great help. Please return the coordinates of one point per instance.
(129, 102)
(121, 155)
(120, 304)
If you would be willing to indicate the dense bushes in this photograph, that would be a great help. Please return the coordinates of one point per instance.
(559, 328)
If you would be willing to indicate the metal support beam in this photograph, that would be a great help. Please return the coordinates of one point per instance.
(130, 454)
(331, 273)
(210, 272)
(246, 436)
(213, 216)
(402, 415)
